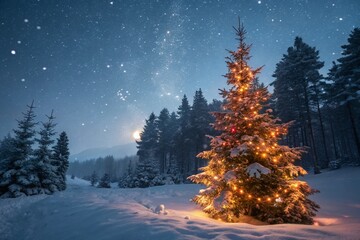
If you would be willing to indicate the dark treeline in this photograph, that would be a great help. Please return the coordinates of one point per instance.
(25, 170)
(325, 109)
(170, 143)
(96, 168)
(166, 151)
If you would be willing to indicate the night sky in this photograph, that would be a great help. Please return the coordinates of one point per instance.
(104, 66)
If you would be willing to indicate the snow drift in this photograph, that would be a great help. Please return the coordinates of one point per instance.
(85, 212)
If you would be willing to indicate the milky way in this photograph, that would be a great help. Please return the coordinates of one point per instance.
(104, 66)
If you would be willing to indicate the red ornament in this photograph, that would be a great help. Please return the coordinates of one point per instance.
(233, 130)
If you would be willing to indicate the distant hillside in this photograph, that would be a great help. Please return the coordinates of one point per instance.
(118, 151)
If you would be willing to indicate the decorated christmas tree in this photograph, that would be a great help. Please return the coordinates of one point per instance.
(249, 173)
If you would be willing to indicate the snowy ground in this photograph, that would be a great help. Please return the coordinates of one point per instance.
(84, 212)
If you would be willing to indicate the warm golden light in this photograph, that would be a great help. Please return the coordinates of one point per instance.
(136, 135)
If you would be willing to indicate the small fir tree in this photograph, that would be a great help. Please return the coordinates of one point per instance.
(7, 146)
(94, 178)
(46, 170)
(19, 177)
(61, 159)
(126, 181)
(104, 181)
(145, 173)
(248, 172)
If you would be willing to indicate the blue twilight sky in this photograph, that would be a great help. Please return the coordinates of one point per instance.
(104, 66)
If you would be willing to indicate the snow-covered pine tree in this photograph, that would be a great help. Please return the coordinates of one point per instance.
(173, 173)
(164, 140)
(172, 169)
(104, 181)
(148, 165)
(7, 146)
(183, 136)
(346, 87)
(147, 173)
(94, 178)
(200, 120)
(61, 159)
(297, 90)
(45, 168)
(126, 181)
(249, 172)
(18, 179)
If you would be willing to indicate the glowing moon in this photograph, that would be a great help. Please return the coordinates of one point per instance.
(136, 135)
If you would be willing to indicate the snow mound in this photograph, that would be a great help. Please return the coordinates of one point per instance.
(256, 169)
(76, 181)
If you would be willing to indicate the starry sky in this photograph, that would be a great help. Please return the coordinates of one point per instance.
(104, 66)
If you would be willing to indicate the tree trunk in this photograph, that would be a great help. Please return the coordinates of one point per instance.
(312, 139)
(322, 132)
(333, 140)
(353, 127)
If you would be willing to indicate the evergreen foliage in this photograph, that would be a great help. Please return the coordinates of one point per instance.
(182, 137)
(347, 73)
(7, 148)
(325, 110)
(200, 125)
(345, 89)
(148, 166)
(94, 179)
(249, 172)
(104, 181)
(164, 139)
(61, 159)
(24, 171)
(46, 171)
(19, 177)
(296, 90)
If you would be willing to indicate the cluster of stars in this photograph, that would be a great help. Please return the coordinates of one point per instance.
(123, 94)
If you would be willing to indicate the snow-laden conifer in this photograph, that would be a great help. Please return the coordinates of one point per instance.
(249, 172)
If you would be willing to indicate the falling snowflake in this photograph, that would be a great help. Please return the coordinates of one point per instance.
(13, 52)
